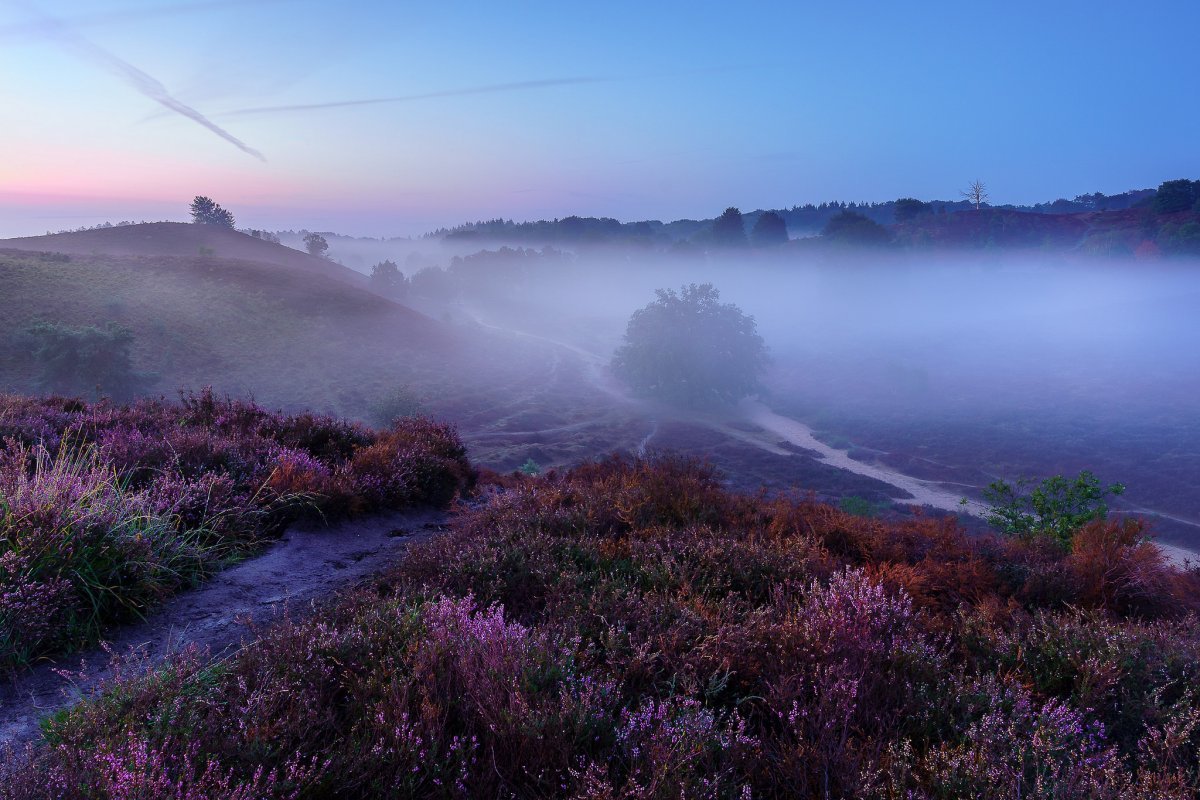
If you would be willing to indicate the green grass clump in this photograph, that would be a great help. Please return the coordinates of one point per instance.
(107, 509)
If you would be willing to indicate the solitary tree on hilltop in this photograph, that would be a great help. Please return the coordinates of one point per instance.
(977, 193)
(205, 211)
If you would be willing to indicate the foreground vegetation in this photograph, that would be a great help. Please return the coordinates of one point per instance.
(631, 629)
(107, 509)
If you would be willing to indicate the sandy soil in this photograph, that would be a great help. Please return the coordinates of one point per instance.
(305, 565)
(923, 492)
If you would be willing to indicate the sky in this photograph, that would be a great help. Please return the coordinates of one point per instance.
(394, 118)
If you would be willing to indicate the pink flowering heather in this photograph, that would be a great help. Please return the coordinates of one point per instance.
(106, 509)
(632, 630)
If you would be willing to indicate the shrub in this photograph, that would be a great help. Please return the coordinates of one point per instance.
(397, 404)
(1056, 507)
(692, 349)
(86, 360)
(107, 509)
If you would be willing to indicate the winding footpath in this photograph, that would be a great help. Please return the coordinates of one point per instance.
(915, 490)
(924, 493)
(305, 565)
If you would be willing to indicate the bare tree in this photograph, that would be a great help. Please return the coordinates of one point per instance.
(977, 193)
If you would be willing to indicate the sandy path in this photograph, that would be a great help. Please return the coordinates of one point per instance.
(925, 493)
(304, 565)
(921, 492)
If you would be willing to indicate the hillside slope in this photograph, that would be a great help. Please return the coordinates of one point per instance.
(181, 239)
(291, 337)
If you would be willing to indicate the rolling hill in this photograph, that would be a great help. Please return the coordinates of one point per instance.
(181, 239)
(247, 317)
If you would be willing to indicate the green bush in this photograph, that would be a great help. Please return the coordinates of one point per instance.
(692, 349)
(80, 361)
(1057, 507)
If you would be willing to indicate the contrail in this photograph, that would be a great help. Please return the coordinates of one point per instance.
(148, 85)
(490, 89)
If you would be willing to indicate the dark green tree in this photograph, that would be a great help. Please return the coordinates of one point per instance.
(1181, 240)
(850, 227)
(906, 209)
(1177, 195)
(206, 212)
(316, 245)
(690, 348)
(1056, 507)
(434, 283)
(769, 230)
(83, 361)
(729, 229)
(388, 280)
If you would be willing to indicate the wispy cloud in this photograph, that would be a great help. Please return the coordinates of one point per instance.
(370, 101)
(119, 15)
(66, 36)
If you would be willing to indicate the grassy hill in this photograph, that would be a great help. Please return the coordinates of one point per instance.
(181, 239)
(291, 329)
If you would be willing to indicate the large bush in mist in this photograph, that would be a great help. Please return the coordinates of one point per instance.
(86, 360)
(688, 347)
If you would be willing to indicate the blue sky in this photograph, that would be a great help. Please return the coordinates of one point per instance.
(529, 110)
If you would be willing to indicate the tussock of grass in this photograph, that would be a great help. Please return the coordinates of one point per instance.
(107, 509)
(631, 630)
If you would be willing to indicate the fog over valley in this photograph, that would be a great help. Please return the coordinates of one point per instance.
(635, 402)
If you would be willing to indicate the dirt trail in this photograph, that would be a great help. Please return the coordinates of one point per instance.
(304, 565)
(921, 492)
(925, 493)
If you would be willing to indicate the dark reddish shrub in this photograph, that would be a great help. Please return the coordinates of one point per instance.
(1116, 567)
(416, 461)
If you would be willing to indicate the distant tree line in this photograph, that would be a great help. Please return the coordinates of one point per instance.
(799, 220)
(266, 236)
(915, 222)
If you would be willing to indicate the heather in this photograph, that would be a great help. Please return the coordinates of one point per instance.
(630, 629)
(107, 509)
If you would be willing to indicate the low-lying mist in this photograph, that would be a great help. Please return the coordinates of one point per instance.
(953, 368)
(960, 368)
